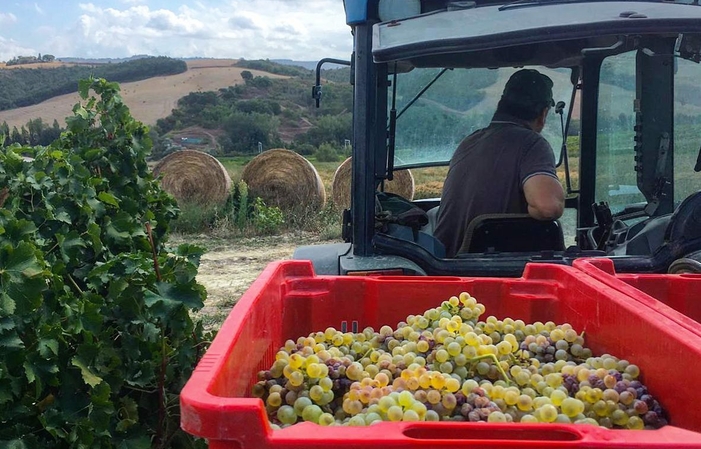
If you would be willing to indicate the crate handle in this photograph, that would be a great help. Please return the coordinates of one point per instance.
(508, 432)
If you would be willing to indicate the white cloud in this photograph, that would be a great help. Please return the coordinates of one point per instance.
(10, 49)
(38, 9)
(235, 28)
(7, 18)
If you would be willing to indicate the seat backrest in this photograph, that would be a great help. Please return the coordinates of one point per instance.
(424, 240)
(685, 223)
(432, 214)
(512, 233)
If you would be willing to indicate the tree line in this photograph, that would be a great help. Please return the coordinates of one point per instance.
(261, 111)
(27, 86)
(19, 60)
(36, 132)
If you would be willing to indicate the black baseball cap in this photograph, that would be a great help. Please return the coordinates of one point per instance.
(530, 89)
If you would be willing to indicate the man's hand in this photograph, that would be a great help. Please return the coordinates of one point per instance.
(545, 197)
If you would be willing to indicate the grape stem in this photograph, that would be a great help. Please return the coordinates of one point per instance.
(496, 363)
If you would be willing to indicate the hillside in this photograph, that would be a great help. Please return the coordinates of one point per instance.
(148, 100)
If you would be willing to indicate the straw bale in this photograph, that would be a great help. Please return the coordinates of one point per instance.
(284, 179)
(194, 177)
(402, 184)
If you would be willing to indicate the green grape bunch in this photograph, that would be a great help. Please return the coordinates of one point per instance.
(449, 365)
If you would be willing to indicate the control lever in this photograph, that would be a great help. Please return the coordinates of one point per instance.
(604, 221)
(559, 109)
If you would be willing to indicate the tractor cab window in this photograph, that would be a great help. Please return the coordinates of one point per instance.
(687, 128)
(457, 102)
(616, 180)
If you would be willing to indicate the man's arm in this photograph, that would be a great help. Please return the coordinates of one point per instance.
(545, 197)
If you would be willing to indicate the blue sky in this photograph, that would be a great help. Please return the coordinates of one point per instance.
(251, 29)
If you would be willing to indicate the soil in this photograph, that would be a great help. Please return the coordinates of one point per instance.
(230, 265)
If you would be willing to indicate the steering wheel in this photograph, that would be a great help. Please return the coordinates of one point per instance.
(608, 238)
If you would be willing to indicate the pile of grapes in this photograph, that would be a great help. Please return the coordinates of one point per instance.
(447, 365)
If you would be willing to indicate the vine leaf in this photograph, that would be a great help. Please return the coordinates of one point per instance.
(88, 376)
(169, 297)
(108, 198)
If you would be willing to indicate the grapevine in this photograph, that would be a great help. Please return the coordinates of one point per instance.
(95, 331)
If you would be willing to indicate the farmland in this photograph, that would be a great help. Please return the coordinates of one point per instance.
(148, 100)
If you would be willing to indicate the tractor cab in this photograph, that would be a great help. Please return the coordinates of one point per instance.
(626, 131)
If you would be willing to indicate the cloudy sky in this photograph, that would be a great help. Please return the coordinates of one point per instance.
(291, 29)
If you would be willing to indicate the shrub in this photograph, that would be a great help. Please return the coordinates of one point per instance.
(304, 149)
(267, 219)
(238, 210)
(95, 331)
(327, 153)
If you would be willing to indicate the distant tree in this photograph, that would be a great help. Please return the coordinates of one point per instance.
(25, 135)
(244, 131)
(194, 102)
(15, 136)
(34, 130)
(326, 153)
(25, 87)
(333, 129)
(48, 58)
(246, 75)
(261, 82)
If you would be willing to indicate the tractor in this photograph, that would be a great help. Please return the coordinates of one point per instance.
(626, 131)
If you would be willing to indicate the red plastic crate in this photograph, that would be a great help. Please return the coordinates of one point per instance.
(288, 300)
(678, 296)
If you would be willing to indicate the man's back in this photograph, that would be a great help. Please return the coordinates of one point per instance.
(487, 173)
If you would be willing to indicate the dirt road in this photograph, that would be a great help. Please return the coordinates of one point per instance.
(229, 266)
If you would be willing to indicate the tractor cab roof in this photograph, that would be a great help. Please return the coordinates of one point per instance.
(552, 34)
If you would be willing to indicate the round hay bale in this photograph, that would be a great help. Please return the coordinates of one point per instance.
(402, 184)
(284, 179)
(194, 177)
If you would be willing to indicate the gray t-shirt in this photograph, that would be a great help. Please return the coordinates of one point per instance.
(487, 173)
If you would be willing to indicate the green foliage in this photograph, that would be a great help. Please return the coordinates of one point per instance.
(327, 153)
(244, 131)
(331, 129)
(241, 206)
(456, 89)
(24, 87)
(266, 65)
(267, 219)
(238, 211)
(264, 110)
(241, 213)
(260, 82)
(37, 133)
(341, 75)
(261, 106)
(95, 331)
(194, 218)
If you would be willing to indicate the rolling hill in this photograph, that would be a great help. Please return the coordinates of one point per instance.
(148, 100)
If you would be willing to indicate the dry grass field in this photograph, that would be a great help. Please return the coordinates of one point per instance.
(148, 100)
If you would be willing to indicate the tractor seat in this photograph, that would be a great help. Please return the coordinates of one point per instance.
(511, 233)
(685, 223)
